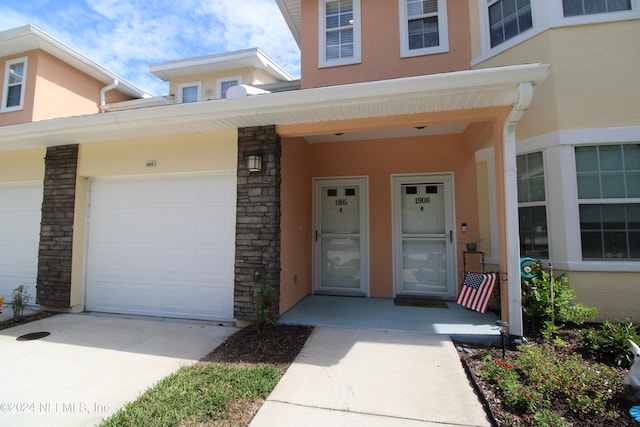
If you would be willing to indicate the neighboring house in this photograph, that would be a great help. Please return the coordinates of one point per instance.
(41, 79)
(416, 127)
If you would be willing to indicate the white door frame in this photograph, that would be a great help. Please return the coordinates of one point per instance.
(363, 183)
(452, 265)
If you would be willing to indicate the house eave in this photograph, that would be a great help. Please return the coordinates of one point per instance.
(253, 57)
(462, 90)
(29, 37)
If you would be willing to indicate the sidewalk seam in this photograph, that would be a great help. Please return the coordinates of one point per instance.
(365, 413)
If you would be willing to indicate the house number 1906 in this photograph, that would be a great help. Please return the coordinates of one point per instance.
(423, 200)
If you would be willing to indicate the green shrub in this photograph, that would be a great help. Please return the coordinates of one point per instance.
(530, 383)
(609, 343)
(20, 298)
(266, 298)
(546, 418)
(540, 315)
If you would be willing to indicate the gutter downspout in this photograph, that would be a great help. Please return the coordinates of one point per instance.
(525, 96)
(103, 93)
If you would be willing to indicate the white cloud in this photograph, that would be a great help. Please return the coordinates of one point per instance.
(126, 36)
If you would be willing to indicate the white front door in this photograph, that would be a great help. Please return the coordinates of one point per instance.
(424, 253)
(341, 236)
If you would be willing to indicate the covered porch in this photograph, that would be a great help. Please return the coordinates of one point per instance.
(382, 186)
(441, 318)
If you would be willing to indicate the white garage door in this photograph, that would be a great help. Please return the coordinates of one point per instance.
(20, 213)
(162, 246)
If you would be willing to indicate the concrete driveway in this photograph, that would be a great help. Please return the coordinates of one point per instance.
(91, 365)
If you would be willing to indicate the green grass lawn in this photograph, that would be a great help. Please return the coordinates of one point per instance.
(201, 393)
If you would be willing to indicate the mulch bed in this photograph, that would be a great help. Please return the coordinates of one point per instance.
(26, 319)
(472, 360)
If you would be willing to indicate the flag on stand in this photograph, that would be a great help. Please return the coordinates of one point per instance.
(476, 291)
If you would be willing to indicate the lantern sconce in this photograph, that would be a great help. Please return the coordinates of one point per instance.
(254, 163)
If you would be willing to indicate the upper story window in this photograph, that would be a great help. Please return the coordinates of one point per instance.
(225, 83)
(423, 26)
(609, 201)
(508, 18)
(189, 92)
(339, 32)
(532, 206)
(589, 7)
(14, 82)
(506, 23)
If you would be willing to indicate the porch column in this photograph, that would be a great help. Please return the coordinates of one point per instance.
(510, 233)
(257, 219)
(56, 228)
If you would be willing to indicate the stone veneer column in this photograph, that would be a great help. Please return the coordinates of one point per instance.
(258, 219)
(56, 229)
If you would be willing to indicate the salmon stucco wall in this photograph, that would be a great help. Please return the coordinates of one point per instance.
(296, 224)
(25, 114)
(378, 160)
(381, 46)
(62, 91)
(55, 89)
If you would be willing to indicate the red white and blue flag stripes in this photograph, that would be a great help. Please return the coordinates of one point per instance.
(476, 291)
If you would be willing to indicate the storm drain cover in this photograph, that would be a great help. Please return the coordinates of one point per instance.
(33, 336)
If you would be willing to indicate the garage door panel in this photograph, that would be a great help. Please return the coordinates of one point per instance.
(20, 213)
(176, 254)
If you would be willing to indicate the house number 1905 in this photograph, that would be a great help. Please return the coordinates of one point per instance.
(423, 200)
(342, 202)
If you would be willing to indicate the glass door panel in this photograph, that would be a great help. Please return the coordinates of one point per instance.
(339, 240)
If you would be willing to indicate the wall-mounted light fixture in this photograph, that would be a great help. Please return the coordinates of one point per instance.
(254, 163)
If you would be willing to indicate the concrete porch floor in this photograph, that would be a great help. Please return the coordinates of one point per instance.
(380, 313)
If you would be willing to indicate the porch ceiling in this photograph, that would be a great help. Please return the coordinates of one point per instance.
(450, 99)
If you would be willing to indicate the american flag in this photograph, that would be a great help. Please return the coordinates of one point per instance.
(477, 290)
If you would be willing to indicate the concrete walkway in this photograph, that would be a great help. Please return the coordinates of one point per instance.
(357, 377)
(91, 365)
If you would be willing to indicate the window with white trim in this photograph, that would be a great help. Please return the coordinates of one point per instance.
(189, 92)
(15, 74)
(590, 7)
(609, 201)
(225, 83)
(507, 19)
(423, 26)
(532, 206)
(339, 32)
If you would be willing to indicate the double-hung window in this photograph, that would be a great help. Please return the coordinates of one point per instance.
(225, 83)
(589, 7)
(532, 206)
(609, 201)
(339, 33)
(507, 19)
(423, 26)
(189, 92)
(15, 74)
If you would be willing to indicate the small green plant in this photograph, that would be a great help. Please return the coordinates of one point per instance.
(529, 384)
(609, 343)
(266, 298)
(20, 298)
(547, 417)
(541, 315)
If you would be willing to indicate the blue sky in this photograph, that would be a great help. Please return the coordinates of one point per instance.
(126, 36)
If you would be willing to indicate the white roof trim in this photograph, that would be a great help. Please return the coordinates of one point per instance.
(291, 12)
(432, 93)
(29, 37)
(254, 58)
